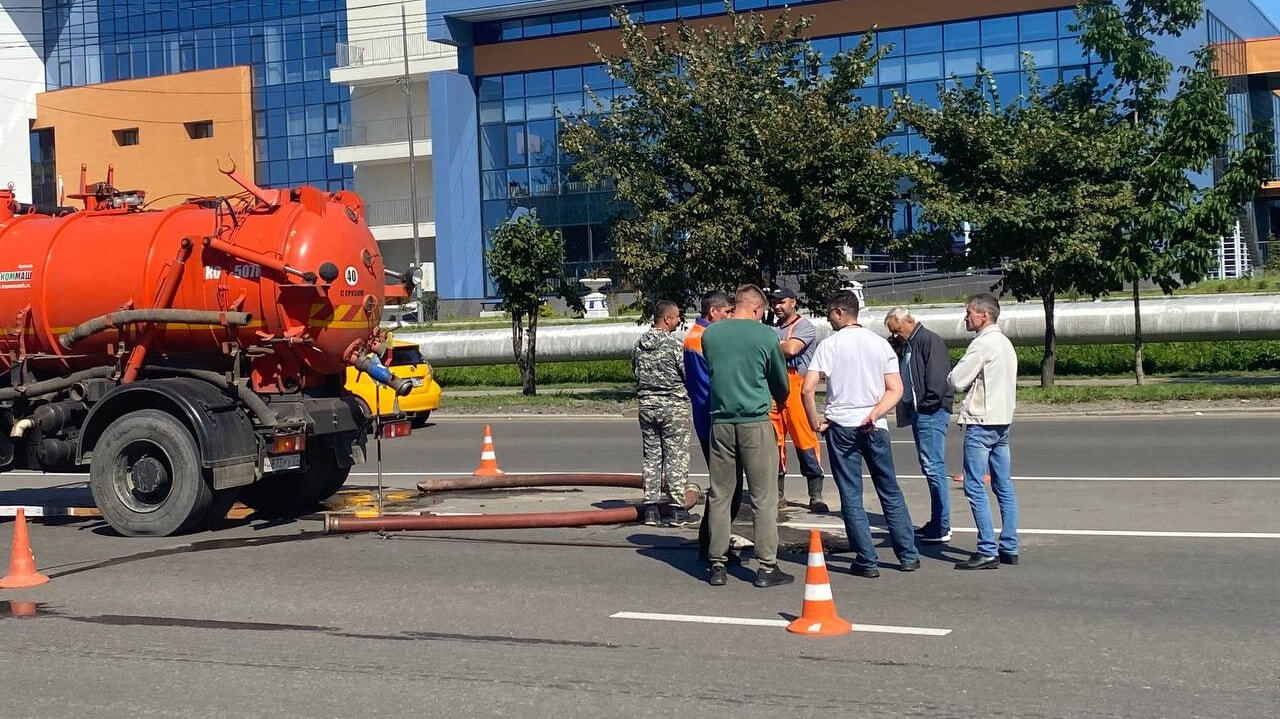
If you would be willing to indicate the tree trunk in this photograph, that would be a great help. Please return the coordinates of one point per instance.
(1050, 341)
(1138, 375)
(530, 375)
(517, 342)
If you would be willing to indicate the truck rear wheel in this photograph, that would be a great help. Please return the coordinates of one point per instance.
(146, 476)
(294, 491)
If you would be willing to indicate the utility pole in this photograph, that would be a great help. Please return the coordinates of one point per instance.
(413, 170)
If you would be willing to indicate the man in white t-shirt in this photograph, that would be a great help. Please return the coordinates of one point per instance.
(863, 386)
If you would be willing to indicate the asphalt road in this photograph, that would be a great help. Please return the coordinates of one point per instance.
(273, 618)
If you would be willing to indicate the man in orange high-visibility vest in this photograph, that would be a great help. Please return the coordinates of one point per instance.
(798, 338)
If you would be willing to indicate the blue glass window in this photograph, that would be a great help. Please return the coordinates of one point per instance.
(515, 145)
(1070, 52)
(538, 83)
(1044, 54)
(962, 62)
(924, 67)
(1000, 59)
(595, 18)
(513, 85)
(537, 108)
(925, 39)
(660, 10)
(512, 30)
(566, 22)
(1038, 26)
(490, 112)
(568, 79)
(1067, 19)
(490, 88)
(537, 26)
(926, 92)
(493, 147)
(517, 183)
(999, 30)
(541, 142)
(1008, 86)
(596, 77)
(690, 8)
(891, 38)
(513, 110)
(827, 47)
(892, 70)
(961, 35)
(493, 185)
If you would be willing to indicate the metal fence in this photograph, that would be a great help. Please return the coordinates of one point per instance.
(388, 49)
(377, 132)
(396, 212)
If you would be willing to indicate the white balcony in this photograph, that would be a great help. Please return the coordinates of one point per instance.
(381, 59)
(392, 220)
(382, 141)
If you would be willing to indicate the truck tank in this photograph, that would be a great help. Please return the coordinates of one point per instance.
(190, 356)
(302, 264)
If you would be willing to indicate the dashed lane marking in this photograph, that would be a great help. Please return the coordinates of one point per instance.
(1075, 532)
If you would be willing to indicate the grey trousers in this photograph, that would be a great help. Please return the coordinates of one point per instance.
(755, 447)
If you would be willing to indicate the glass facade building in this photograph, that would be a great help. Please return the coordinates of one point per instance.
(521, 164)
(521, 65)
(289, 44)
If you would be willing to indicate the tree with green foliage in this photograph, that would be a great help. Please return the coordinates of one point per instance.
(1037, 179)
(1170, 230)
(740, 155)
(526, 263)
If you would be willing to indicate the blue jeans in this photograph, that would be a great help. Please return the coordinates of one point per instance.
(930, 433)
(986, 451)
(848, 448)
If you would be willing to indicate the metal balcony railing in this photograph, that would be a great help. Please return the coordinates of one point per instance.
(396, 212)
(388, 49)
(378, 132)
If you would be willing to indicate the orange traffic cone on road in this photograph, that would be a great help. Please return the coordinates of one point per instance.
(818, 618)
(488, 458)
(960, 478)
(22, 563)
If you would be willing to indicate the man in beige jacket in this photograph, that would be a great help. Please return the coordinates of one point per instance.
(988, 374)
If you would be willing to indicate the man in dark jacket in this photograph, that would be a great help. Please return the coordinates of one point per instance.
(926, 408)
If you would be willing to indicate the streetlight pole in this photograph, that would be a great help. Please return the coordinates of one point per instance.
(413, 170)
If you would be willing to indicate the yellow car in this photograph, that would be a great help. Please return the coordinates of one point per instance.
(406, 361)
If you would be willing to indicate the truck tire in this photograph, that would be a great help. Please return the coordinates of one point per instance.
(420, 419)
(295, 491)
(146, 476)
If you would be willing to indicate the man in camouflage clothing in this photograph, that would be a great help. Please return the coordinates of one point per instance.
(665, 421)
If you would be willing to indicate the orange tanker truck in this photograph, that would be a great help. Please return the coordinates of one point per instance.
(190, 356)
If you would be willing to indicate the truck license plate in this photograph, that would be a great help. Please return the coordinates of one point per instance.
(276, 464)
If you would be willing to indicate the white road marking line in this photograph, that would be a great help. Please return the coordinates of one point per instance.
(1073, 532)
(463, 473)
(750, 622)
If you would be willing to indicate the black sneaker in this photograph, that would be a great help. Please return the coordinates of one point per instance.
(772, 577)
(1006, 558)
(681, 517)
(979, 561)
(718, 576)
(817, 506)
(651, 517)
(933, 537)
(858, 570)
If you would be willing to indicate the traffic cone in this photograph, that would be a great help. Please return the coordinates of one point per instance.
(818, 618)
(488, 458)
(22, 563)
(960, 478)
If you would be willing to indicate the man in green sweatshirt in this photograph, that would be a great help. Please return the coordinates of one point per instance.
(747, 371)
